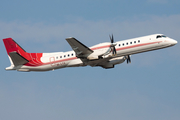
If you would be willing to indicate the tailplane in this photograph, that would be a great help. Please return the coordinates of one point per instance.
(17, 55)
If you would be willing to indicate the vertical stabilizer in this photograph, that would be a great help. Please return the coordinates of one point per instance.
(16, 54)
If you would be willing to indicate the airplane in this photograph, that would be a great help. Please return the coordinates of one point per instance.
(105, 55)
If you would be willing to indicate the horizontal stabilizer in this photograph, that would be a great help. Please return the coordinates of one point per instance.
(17, 59)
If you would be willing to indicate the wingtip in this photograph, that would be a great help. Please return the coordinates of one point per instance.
(69, 38)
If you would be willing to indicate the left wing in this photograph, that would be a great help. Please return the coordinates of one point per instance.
(80, 49)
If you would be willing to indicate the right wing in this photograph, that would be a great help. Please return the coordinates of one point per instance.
(80, 49)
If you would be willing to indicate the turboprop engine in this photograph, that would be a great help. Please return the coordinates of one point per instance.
(99, 53)
(114, 61)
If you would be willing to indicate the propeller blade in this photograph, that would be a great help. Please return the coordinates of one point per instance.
(112, 44)
(114, 50)
(128, 59)
(112, 39)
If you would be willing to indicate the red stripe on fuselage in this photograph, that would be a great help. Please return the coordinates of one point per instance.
(34, 63)
(100, 47)
(137, 45)
(37, 56)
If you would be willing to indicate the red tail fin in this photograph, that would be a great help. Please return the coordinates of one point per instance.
(18, 56)
(12, 46)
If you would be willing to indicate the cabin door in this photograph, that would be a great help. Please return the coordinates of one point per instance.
(52, 61)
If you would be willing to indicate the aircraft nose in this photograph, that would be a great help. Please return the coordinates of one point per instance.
(174, 42)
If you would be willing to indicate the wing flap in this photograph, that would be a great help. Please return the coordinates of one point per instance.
(17, 59)
(80, 49)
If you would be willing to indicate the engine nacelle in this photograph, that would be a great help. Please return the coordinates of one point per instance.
(92, 57)
(99, 51)
(117, 60)
(113, 61)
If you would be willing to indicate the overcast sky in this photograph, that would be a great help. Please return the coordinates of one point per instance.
(146, 89)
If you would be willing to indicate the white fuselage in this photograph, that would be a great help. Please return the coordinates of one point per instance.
(51, 61)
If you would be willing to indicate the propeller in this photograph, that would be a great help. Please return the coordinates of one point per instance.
(113, 45)
(128, 59)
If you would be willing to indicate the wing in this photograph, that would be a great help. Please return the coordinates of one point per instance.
(80, 49)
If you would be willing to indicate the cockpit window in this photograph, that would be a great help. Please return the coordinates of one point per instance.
(163, 36)
(160, 36)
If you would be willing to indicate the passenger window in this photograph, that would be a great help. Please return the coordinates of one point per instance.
(134, 41)
(72, 54)
(68, 55)
(64, 55)
(60, 56)
(123, 44)
(139, 41)
(56, 57)
(130, 42)
(119, 44)
(126, 43)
